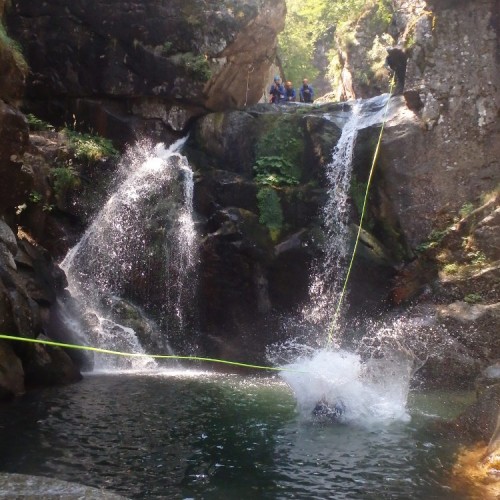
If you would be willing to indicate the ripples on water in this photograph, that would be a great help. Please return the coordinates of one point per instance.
(216, 437)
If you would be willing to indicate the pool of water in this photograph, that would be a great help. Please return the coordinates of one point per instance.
(207, 436)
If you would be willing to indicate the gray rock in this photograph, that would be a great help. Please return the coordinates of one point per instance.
(8, 238)
(39, 487)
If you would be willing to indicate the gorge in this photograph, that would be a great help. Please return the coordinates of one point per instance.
(222, 226)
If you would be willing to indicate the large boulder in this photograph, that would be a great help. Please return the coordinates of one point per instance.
(154, 64)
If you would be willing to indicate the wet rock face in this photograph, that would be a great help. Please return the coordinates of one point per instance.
(253, 268)
(16, 178)
(146, 66)
(449, 154)
(29, 282)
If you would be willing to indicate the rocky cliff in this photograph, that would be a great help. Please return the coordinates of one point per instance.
(128, 69)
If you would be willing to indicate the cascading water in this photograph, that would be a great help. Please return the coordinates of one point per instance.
(371, 384)
(141, 247)
(329, 273)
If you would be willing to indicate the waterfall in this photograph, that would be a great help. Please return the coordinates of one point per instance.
(329, 273)
(372, 383)
(139, 249)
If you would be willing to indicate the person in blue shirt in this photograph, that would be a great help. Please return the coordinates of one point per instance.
(290, 95)
(306, 92)
(277, 91)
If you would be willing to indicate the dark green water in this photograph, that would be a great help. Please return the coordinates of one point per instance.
(220, 437)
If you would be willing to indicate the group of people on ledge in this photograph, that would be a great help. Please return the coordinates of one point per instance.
(281, 94)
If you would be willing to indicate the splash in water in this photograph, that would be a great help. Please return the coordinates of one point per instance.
(370, 385)
(368, 392)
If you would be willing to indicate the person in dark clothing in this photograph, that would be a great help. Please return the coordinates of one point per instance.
(396, 61)
(277, 91)
(290, 94)
(306, 92)
(326, 412)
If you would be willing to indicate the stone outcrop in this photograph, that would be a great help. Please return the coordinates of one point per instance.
(154, 65)
(251, 271)
(29, 283)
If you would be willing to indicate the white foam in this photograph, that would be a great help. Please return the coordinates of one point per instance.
(372, 392)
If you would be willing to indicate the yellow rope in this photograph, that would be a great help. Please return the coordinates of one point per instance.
(143, 355)
(363, 210)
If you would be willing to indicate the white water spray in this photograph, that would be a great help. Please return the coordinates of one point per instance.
(371, 386)
(141, 245)
(329, 273)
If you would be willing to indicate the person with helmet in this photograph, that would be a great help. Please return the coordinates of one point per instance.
(277, 91)
(306, 91)
(290, 95)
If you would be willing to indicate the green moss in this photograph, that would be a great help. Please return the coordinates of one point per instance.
(11, 45)
(271, 214)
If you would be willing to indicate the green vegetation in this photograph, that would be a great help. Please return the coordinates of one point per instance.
(35, 197)
(278, 164)
(467, 209)
(195, 65)
(473, 298)
(274, 171)
(271, 214)
(13, 47)
(434, 239)
(331, 23)
(90, 147)
(64, 179)
(36, 124)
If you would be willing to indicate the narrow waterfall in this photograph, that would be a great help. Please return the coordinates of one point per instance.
(372, 384)
(140, 249)
(329, 273)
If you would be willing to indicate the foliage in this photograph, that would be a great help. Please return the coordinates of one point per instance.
(281, 148)
(271, 214)
(433, 240)
(331, 23)
(35, 197)
(278, 164)
(195, 65)
(89, 146)
(274, 171)
(467, 209)
(63, 179)
(14, 47)
(167, 47)
(38, 124)
(473, 298)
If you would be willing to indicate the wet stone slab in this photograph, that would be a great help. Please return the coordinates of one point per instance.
(20, 486)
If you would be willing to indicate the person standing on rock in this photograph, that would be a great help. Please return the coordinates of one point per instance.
(277, 91)
(306, 92)
(396, 62)
(290, 94)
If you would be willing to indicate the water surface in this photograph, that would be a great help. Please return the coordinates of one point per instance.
(206, 436)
